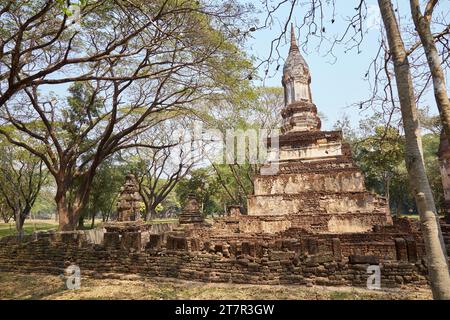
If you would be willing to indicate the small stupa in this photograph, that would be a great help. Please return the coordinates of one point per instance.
(128, 208)
(129, 204)
(191, 211)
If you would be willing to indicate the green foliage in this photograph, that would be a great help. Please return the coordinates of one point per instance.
(106, 186)
(66, 9)
(258, 108)
(379, 151)
(430, 144)
(380, 156)
(21, 179)
(135, 59)
(8, 229)
(45, 206)
(204, 185)
(236, 183)
(80, 110)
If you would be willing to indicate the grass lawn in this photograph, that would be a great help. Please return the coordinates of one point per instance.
(38, 286)
(8, 229)
(411, 216)
(160, 221)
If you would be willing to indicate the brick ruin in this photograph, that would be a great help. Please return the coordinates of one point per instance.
(318, 185)
(191, 211)
(212, 254)
(311, 223)
(129, 203)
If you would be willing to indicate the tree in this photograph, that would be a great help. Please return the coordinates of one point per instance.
(344, 125)
(422, 22)
(44, 206)
(430, 123)
(235, 183)
(42, 42)
(430, 143)
(259, 108)
(434, 244)
(378, 150)
(173, 54)
(159, 170)
(21, 178)
(265, 110)
(204, 185)
(5, 212)
(105, 190)
(380, 156)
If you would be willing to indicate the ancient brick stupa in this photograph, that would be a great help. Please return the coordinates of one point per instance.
(128, 208)
(129, 204)
(191, 211)
(318, 186)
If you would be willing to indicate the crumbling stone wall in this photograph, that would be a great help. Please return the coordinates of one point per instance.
(295, 256)
(192, 252)
(245, 263)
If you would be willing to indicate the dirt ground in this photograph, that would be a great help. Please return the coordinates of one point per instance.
(49, 287)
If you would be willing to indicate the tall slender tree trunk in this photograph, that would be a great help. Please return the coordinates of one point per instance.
(22, 216)
(93, 220)
(434, 245)
(81, 222)
(387, 183)
(422, 24)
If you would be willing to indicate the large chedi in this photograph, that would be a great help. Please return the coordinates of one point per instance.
(318, 186)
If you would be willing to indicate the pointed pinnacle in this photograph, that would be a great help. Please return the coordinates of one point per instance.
(293, 41)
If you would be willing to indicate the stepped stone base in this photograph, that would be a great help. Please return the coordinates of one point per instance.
(191, 212)
(190, 217)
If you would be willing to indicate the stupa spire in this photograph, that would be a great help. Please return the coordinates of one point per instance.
(293, 40)
(300, 114)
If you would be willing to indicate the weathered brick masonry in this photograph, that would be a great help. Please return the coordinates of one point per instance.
(291, 257)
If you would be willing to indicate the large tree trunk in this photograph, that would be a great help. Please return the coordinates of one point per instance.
(151, 212)
(68, 219)
(69, 212)
(422, 24)
(20, 219)
(64, 216)
(434, 245)
(147, 209)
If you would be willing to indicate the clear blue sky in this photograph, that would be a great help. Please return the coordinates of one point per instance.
(335, 85)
